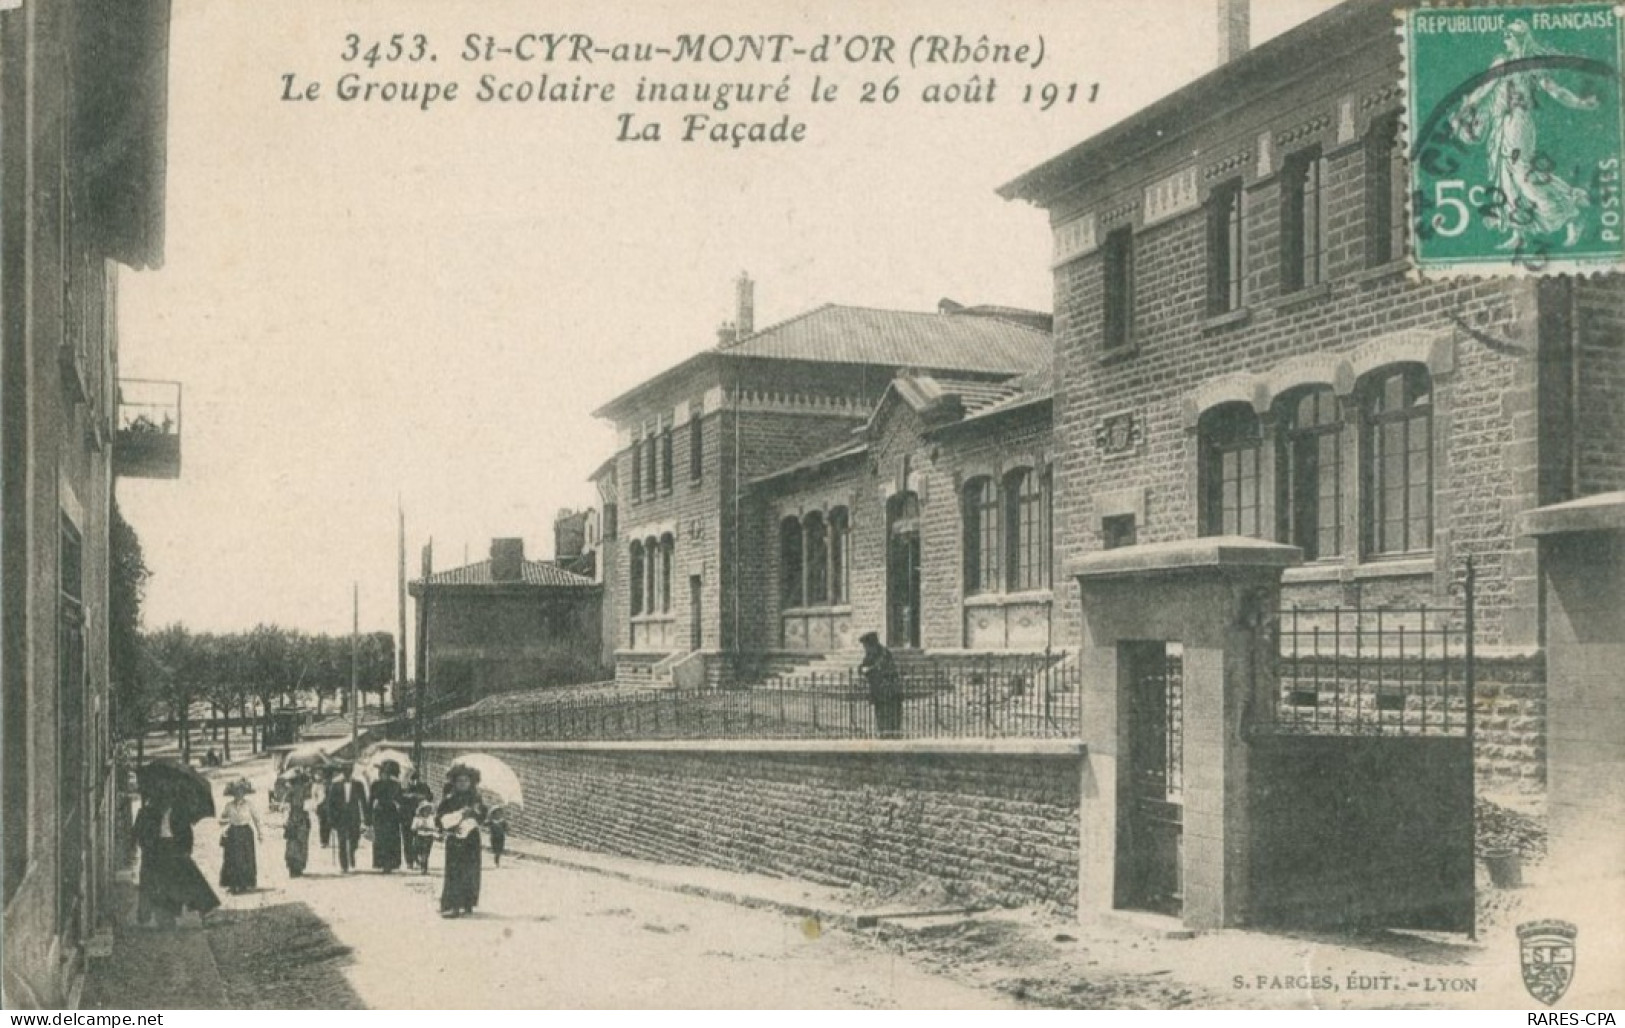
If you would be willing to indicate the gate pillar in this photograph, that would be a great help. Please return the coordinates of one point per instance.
(1582, 557)
(1218, 598)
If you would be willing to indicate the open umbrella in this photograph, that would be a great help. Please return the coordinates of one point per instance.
(499, 785)
(373, 761)
(191, 792)
(310, 754)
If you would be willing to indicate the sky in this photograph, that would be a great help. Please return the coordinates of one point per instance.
(369, 303)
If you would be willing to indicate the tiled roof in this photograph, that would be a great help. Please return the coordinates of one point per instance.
(846, 449)
(536, 572)
(865, 335)
(1033, 387)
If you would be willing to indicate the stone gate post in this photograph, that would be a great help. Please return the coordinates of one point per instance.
(1218, 598)
(1582, 557)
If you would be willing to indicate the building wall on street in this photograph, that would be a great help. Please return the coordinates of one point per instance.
(981, 828)
(494, 639)
(59, 370)
(1486, 343)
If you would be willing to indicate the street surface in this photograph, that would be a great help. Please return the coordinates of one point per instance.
(553, 937)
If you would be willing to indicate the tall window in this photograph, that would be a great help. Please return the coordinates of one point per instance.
(840, 531)
(1224, 249)
(651, 462)
(981, 536)
(1024, 496)
(638, 571)
(1397, 460)
(1384, 193)
(790, 583)
(1117, 257)
(1231, 450)
(1303, 220)
(696, 447)
(651, 577)
(1310, 479)
(665, 458)
(668, 562)
(637, 469)
(817, 561)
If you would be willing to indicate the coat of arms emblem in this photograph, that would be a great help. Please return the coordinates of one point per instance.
(1546, 951)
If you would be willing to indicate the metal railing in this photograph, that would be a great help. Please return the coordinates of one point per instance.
(1038, 698)
(1354, 670)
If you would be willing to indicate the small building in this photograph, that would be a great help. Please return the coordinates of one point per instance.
(506, 623)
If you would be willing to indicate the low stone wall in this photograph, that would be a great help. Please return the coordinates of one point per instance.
(993, 823)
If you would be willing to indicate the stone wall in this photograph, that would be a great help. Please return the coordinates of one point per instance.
(979, 827)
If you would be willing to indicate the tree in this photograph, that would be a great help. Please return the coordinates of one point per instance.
(134, 693)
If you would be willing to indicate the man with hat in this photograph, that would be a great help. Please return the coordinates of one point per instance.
(879, 670)
(347, 813)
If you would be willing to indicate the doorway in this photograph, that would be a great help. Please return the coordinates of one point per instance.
(903, 571)
(1151, 835)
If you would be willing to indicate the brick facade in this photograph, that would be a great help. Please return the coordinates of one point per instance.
(1496, 351)
(713, 523)
(983, 828)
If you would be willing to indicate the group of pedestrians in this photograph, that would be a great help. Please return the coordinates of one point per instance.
(403, 818)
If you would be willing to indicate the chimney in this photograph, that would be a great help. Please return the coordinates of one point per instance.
(1233, 30)
(507, 560)
(569, 534)
(745, 312)
(726, 336)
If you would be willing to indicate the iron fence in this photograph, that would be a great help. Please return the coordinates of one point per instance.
(999, 698)
(1353, 670)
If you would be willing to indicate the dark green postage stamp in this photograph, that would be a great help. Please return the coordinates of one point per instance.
(1515, 136)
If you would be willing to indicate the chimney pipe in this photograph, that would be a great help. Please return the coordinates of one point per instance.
(507, 560)
(745, 314)
(726, 336)
(1233, 29)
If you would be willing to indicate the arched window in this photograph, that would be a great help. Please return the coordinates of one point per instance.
(1231, 445)
(790, 563)
(1397, 460)
(1024, 502)
(651, 575)
(636, 589)
(817, 560)
(840, 530)
(668, 553)
(1310, 476)
(981, 536)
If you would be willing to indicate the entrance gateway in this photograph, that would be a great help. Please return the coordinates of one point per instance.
(1209, 797)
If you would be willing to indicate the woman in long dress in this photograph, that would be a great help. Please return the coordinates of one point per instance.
(386, 818)
(460, 816)
(296, 829)
(1530, 197)
(239, 872)
(170, 882)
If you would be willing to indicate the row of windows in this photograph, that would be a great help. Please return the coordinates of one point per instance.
(653, 463)
(1392, 442)
(1304, 220)
(815, 560)
(1007, 533)
(652, 563)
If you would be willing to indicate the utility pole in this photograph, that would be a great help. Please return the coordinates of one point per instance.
(400, 599)
(355, 676)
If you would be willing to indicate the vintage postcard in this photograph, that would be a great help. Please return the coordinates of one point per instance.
(812, 506)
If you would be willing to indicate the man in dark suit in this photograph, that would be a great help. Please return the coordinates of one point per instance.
(347, 813)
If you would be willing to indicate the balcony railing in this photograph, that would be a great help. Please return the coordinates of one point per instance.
(147, 443)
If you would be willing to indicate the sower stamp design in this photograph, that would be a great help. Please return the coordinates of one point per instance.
(1516, 137)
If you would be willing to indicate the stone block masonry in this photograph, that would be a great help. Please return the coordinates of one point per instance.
(981, 824)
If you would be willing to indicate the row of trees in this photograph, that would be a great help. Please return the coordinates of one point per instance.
(165, 675)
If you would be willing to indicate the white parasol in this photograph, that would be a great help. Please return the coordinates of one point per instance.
(374, 759)
(499, 785)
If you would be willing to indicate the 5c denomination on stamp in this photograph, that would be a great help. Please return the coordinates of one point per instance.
(1516, 139)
